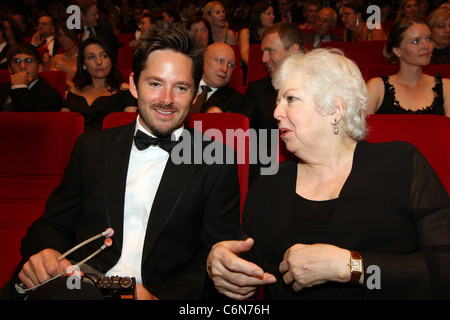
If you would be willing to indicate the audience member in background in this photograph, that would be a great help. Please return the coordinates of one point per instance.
(219, 65)
(23, 24)
(91, 26)
(45, 36)
(288, 12)
(27, 91)
(4, 47)
(325, 22)
(70, 41)
(98, 87)
(114, 20)
(186, 11)
(12, 32)
(278, 42)
(171, 15)
(310, 11)
(146, 21)
(261, 16)
(215, 13)
(407, 9)
(439, 23)
(347, 220)
(424, 9)
(410, 90)
(200, 29)
(352, 17)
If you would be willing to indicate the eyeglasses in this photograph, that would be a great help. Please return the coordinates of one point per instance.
(26, 60)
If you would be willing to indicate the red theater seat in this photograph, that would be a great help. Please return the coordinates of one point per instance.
(429, 133)
(36, 147)
(373, 71)
(363, 53)
(255, 68)
(125, 57)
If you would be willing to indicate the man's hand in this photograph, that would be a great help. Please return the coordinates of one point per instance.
(42, 267)
(232, 276)
(20, 78)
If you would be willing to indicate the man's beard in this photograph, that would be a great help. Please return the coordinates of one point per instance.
(162, 132)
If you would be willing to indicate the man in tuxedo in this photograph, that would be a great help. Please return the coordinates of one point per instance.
(325, 21)
(45, 36)
(220, 62)
(165, 216)
(89, 22)
(27, 91)
(278, 42)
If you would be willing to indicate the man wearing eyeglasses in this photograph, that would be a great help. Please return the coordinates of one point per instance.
(27, 91)
(219, 65)
(45, 36)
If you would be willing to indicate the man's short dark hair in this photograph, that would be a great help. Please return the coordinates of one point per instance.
(24, 48)
(166, 36)
(288, 32)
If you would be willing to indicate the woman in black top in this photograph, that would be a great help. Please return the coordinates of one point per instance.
(348, 219)
(409, 90)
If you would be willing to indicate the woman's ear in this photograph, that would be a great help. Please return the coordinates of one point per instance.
(339, 110)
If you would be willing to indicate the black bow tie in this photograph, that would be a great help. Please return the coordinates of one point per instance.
(143, 141)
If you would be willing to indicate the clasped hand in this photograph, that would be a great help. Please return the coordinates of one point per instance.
(302, 266)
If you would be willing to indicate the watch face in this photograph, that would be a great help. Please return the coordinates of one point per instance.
(356, 266)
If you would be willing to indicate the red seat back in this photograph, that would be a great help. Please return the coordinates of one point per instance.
(57, 79)
(36, 147)
(373, 71)
(363, 53)
(255, 69)
(125, 57)
(429, 133)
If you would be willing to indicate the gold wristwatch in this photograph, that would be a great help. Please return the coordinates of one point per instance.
(356, 266)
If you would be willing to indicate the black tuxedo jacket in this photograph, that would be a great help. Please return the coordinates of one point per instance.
(227, 99)
(260, 103)
(106, 33)
(196, 205)
(40, 97)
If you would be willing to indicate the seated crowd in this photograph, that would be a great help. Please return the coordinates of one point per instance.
(184, 62)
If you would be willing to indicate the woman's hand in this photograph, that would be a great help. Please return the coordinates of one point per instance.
(232, 276)
(308, 265)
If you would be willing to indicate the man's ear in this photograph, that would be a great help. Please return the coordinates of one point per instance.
(40, 67)
(132, 85)
(294, 48)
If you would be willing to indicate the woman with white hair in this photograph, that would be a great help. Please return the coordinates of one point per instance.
(348, 219)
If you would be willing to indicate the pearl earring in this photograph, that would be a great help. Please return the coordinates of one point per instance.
(336, 129)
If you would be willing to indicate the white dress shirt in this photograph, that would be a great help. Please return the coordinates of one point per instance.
(145, 170)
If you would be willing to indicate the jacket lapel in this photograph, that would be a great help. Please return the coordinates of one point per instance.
(174, 182)
(115, 158)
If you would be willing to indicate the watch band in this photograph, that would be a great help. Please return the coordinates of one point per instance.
(356, 266)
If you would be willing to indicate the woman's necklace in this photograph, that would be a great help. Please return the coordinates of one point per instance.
(75, 55)
(359, 34)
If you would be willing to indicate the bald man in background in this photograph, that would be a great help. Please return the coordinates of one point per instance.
(219, 64)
